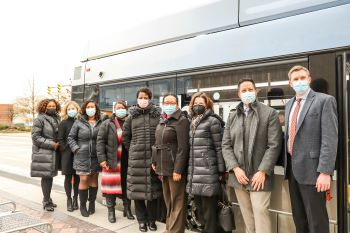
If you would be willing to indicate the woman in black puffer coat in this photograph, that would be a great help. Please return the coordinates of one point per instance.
(45, 150)
(139, 137)
(206, 164)
(82, 141)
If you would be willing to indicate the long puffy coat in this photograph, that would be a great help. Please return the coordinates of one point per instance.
(205, 161)
(139, 137)
(45, 160)
(82, 141)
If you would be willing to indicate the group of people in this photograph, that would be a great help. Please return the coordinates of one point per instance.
(145, 153)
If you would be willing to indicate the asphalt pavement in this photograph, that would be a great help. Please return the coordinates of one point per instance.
(17, 185)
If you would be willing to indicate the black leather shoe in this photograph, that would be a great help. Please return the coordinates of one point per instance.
(152, 226)
(53, 204)
(143, 227)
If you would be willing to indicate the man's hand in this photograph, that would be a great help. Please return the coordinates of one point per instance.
(323, 182)
(258, 181)
(104, 165)
(240, 175)
(176, 176)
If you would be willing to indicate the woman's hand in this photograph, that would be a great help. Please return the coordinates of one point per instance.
(104, 165)
(176, 176)
(153, 167)
(56, 146)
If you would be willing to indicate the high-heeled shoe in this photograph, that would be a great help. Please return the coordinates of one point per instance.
(48, 206)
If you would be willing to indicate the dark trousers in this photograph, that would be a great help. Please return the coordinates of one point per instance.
(308, 206)
(207, 207)
(46, 186)
(146, 214)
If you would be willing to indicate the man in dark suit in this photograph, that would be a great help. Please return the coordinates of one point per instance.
(311, 136)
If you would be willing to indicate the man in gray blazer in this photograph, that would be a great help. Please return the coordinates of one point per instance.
(311, 136)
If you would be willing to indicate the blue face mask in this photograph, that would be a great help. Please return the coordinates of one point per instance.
(248, 97)
(91, 112)
(120, 113)
(169, 109)
(300, 87)
(72, 113)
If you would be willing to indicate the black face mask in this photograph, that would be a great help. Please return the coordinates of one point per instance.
(51, 112)
(198, 109)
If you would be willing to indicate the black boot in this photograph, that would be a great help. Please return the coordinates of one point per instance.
(69, 204)
(110, 201)
(92, 199)
(127, 211)
(75, 203)
(83, 196)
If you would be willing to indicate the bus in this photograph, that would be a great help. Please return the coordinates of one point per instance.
(210, 47)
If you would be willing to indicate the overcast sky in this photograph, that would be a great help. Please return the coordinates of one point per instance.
(46, 39)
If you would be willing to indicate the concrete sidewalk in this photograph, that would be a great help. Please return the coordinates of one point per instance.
(28, 197)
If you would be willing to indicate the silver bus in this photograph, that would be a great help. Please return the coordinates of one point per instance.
(210, 47)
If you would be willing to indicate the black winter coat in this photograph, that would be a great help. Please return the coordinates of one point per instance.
(66, 153)
(170, 152)
(206, 162)
(107, 142)
(139, 137)
(82, 141)
(45, 160)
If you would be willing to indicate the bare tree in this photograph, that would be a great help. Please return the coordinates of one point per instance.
(25, 106)
(11, 113)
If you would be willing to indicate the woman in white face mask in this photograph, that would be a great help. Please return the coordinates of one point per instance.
(82, 141)
(113, 158)
(169, 159)
(138, 138)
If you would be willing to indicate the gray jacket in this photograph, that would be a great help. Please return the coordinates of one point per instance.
(82, 141)
(265, 136)
(45, 160)
(316, 139)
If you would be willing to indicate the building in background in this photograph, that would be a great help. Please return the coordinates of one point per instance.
(6, 114)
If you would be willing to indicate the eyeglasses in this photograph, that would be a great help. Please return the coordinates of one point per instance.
(169, 103)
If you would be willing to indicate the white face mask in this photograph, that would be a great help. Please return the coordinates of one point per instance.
(248, 97)
(143, 103)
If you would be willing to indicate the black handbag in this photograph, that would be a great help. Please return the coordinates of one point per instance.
(226, 218)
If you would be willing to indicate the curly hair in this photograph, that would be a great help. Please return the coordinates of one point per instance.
(65, 107)
(98, 111)
(41, 107)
